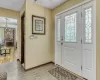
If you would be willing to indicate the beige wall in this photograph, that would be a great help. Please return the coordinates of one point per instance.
(23, 9)
(9, 13)
(37, 51)
(15, 15)
(98, 37)
(1, 35)
(46, 53)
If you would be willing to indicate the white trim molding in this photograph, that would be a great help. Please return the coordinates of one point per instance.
(79, 4)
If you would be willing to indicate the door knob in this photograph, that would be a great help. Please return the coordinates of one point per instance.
(61, 43)
(62, 38)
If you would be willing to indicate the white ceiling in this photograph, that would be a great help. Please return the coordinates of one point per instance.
(12, 4)
(50, 3)
(17, 4)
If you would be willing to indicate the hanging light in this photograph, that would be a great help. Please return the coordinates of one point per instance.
(6, 23)
(35, 1)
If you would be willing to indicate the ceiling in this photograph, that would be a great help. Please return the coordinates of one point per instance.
(17, 4)
(50, 3)
(12, 4)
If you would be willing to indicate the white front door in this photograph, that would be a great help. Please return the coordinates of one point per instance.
(72, 48)
(76, 39)
(88, 25)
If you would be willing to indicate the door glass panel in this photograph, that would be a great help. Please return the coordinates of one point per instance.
(58, 30)
(88, 25)
(70, 28)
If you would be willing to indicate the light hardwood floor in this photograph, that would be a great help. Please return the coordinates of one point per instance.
(9, 57)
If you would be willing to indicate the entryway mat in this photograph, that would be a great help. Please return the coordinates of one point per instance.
(62, 74)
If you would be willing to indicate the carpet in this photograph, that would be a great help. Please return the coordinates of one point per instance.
(62, 74)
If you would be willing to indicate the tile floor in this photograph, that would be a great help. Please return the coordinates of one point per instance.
(16, 72)
(46, 72)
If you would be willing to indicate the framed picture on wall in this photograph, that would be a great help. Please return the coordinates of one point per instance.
(38, 25)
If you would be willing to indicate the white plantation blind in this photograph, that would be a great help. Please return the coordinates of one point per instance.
(12, 23)
(2, 21)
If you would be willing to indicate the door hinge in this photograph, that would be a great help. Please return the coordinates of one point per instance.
(81, 14)
(81, 68)
(81, 41)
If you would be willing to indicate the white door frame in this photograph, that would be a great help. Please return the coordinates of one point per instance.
(88, 48)
(58, 59)
(94, 46)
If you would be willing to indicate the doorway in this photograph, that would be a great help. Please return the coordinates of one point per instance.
(8, 40)
(74, 43)
(22, 37)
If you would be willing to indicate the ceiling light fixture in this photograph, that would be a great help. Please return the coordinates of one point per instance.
(35, 0)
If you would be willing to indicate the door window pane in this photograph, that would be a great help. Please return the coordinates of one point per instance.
(70, 28)
(58, 30)
(88, 25)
